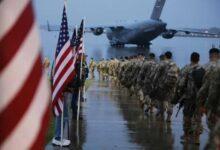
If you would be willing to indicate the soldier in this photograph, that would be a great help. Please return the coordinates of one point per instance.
(210, 67)
(110, 65)
(165, 81)
(121, 72)
(92, 66)
(145, 83)
(77, 85)
(207, 94)
(212, 105)
(134, 74)
(190, 81)
(99, 68)
(115, 67)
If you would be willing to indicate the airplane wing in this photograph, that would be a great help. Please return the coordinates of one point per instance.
(97, 30)
(187, 32)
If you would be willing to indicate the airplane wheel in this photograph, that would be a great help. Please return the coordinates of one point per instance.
(119, 45)
(143, 46)
(113, 45)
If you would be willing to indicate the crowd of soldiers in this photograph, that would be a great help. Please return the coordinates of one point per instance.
(162, 85)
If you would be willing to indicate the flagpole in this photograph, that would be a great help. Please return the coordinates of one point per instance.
(62, 126)
(84, 87)
(81, 59)
(62, 115)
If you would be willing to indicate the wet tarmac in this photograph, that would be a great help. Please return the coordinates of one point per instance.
(112, 120)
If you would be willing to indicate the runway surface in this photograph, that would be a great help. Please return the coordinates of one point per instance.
(112, 119)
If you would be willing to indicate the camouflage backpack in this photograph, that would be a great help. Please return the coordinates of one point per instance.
(197, 75)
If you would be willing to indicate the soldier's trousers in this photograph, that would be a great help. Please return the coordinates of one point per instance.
(165, 106)
(213, 127)
(217, 134)
(191, 122)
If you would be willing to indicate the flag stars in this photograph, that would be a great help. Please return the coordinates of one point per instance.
(64, 35)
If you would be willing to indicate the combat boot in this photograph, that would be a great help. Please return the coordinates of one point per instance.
(196, 140)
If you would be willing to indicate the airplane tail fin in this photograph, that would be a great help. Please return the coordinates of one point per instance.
(157, 9)
(48, 26)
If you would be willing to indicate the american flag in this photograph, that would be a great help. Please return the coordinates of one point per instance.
(79, 40)
(64, 66)
(24, 87)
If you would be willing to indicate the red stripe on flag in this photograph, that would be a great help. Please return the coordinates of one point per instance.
(43, 130)
(62, 58)
(70, 78)
(21, 102)
(70, 62)
(58, 106)
(10, 44)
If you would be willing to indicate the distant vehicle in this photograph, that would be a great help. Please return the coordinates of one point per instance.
(142, 33)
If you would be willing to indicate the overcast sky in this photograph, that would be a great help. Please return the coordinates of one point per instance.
(177, 13)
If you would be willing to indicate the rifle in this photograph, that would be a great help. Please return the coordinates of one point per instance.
(181, 102)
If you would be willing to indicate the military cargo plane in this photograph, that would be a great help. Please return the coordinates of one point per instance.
(142, 33)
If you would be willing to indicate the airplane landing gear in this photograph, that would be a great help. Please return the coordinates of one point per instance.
(118, 45)
(144, 46)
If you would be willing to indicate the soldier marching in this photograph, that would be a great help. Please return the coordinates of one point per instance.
(159, 85)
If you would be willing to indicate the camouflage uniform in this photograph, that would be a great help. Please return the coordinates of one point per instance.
(92, 66)
(187, 89)
(146, 85)
(209, 98)
(165, 81)
(140, 78)
(134, 76)
(121, 73)
(127, 74)
(104, 69)
(99, 69)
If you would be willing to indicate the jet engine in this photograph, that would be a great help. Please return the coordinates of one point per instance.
(97, 31)
(169, 34)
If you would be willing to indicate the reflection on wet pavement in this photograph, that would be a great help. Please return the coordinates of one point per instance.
(113, 120)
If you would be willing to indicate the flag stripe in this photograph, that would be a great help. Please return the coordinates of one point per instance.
(60, 81)
(55, 102)
(21, 102)
(27, 125)
(56, 111)
(15, 36)
(68, 56)
(65, 68)
(10, 10)
(68, 50)
(24, 90)
(24, 61)
(43, 130)
(63, 50)
(58, 108)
